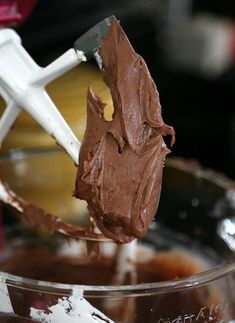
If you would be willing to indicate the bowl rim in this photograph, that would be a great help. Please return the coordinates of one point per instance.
(146, 289)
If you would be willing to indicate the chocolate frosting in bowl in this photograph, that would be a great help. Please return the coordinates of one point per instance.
(121, 161)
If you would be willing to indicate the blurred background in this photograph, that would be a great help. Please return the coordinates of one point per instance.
(189, 47)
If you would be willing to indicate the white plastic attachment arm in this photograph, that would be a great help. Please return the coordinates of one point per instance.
(8, 118)
(22, 85)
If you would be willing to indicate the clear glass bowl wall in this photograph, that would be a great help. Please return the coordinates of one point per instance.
(194, 207)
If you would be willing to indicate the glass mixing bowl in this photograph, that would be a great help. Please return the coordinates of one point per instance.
(185, 264)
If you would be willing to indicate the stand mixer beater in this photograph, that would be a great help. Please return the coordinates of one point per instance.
(22, 83)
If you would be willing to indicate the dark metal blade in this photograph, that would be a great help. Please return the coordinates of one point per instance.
(90, 42)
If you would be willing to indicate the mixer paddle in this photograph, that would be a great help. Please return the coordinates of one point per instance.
(22, 83)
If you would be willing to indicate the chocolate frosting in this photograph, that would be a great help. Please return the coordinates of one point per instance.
(121, 161)
(163, 265)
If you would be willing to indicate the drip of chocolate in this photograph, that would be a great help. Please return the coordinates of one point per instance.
(121, 161)
(34, 215)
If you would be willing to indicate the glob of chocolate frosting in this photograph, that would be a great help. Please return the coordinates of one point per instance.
(121, 161)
